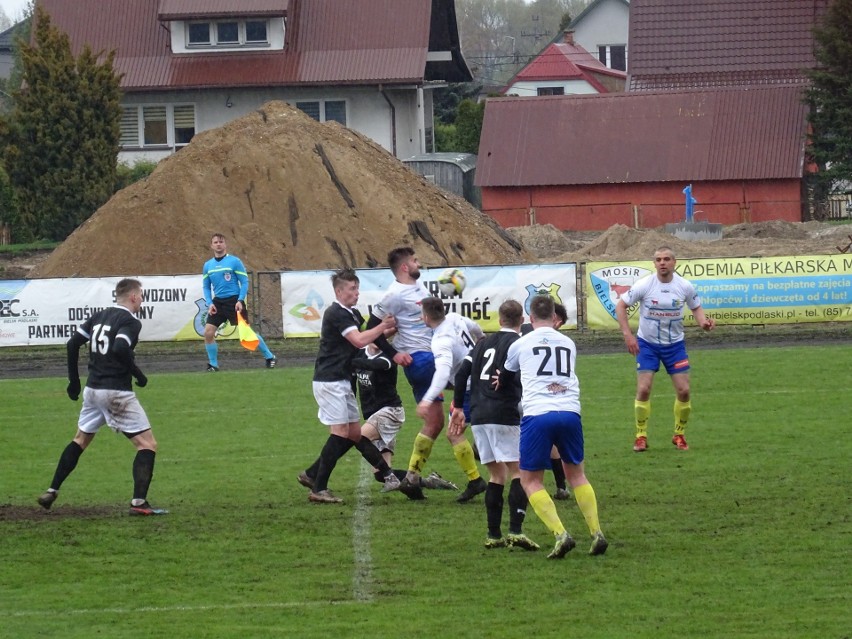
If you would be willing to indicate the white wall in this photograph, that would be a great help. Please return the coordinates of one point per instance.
(607, 24)
(367, 112)
(572, 87)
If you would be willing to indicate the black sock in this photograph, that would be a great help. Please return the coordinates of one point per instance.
(143, 472)
(311, 471)
(558, 473)
(517, 507)
(335, 448)
(67, 462)
(373, 456)
(494, 509)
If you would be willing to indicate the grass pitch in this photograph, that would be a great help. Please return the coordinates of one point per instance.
(747, 534)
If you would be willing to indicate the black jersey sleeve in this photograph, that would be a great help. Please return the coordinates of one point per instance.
(460, 382)
(73, 350)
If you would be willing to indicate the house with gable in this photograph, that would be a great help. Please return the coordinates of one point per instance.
(714, 100)
(188, 66)
(564, 68)
(602, 29)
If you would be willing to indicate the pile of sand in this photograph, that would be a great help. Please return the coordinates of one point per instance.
(620, 242)
(289, 193)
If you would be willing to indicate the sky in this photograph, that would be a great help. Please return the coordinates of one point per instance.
(14, 8)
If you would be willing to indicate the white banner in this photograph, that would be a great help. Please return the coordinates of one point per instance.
(306, 294)
(36, 312)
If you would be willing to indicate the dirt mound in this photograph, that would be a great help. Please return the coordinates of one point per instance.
(775, 238)
(289, 193)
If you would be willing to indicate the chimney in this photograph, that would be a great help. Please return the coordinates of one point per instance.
(568, 36)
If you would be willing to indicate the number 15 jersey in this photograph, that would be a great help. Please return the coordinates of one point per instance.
(546, 359)
(106, 369)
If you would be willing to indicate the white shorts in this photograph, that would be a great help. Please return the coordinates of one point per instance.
(336, 403)
(387, 421)
(497, 442)
(120, 410)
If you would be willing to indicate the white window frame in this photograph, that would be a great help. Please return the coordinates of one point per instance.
(213, 32)
(608, 54)
(133, 133)
(321, 109)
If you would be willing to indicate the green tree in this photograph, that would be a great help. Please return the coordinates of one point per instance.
(62, 138)
(830, 100)
(469, 125)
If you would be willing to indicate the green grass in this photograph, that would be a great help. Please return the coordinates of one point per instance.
(745, 535)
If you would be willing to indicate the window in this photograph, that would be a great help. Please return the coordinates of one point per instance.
(157, 125)
(256, 31)
(227, 33)
(325, 110)
(550, 91)
(614, 56)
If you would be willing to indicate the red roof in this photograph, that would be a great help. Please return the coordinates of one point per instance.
(327, 42)
(756, 133)
(715, 43)
(562, 61)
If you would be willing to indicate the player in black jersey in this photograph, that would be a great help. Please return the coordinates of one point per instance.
(108, 398)
(495, 418)
(340, 340)
(381, 407)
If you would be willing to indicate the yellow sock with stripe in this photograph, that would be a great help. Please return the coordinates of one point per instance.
(546, 510)
(420, 454)
(464, 456)
(681, 415)
(642, 411)
(588, 503)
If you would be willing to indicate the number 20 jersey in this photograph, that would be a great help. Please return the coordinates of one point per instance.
(546, 360)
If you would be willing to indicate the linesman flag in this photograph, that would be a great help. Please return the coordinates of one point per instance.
(248, 338)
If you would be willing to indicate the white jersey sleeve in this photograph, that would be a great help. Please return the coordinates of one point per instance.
(451, 342)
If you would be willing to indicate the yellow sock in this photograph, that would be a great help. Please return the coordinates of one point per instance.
(464, 456)
(642, 410)
(681, 415)
(421, 452)
(588, 503)
(546, 510)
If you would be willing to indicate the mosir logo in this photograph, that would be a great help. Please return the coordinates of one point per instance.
(611, 282)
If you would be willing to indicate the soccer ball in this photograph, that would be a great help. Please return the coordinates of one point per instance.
(451, 282)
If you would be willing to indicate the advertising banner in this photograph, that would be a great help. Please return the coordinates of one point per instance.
(41, 312)
(749, 290)
(306, 294)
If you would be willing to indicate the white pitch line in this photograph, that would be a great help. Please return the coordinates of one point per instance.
(362, 577)
(187, 608)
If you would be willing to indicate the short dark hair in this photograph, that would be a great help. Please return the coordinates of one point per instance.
(511, 313)
(343, 275)
(215, 235)
(541, 308)
(399, 255)
(127, 286)
(433, 308)
(561, 313)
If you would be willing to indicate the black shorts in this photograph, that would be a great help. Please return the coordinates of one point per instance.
(226, 312)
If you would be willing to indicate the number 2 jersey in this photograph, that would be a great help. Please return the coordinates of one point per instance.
(546, 359)
(106, 369)
(487, 404)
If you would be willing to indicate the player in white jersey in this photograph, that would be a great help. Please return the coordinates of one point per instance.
(550, 402)
(412, 349)
(452, 339)
(661, 298)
